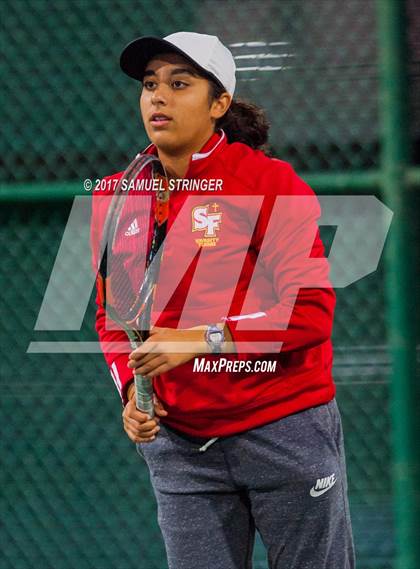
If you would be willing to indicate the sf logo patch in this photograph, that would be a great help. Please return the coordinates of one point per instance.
(207, 218)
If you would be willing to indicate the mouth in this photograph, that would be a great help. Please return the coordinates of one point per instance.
(159, 119)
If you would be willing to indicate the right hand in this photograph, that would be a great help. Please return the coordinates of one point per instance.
(137, 424)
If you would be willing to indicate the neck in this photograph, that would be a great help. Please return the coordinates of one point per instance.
(176, 163)
(175, 166)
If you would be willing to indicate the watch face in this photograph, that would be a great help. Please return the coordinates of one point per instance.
(215, 336)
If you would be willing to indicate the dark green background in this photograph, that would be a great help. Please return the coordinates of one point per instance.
(74, 493)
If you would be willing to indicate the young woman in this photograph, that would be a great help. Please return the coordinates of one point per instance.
(233, 449)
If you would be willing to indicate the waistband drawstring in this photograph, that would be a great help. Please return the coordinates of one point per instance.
(207, 444)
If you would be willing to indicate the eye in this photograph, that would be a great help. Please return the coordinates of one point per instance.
(149, 85)
(178, 84)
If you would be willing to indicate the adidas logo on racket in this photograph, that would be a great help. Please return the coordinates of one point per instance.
(133, 229)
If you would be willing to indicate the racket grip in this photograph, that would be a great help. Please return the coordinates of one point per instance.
(144, 394)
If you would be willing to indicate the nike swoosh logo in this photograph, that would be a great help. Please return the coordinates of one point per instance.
(315, 493)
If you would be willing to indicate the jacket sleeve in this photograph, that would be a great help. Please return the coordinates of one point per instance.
(291, 253)
(108, 336)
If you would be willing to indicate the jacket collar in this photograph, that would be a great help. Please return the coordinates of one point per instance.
(200, 159)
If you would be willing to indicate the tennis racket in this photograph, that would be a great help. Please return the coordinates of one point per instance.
(129, 266)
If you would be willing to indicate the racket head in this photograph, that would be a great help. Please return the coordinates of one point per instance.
(132, 244)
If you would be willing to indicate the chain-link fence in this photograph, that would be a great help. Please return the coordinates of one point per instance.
(73, 492)
(71, 113)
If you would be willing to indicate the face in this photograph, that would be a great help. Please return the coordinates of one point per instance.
(174, 105)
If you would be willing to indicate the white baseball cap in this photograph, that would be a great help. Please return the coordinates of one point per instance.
(204, 51)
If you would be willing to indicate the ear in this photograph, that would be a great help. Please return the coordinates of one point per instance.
(220, 106)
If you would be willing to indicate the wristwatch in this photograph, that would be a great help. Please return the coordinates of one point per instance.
(215, 338)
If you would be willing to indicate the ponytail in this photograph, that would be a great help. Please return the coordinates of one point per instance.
(243, 122)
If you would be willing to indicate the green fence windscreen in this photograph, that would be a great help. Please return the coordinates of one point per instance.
(70, 113)
(73, 492)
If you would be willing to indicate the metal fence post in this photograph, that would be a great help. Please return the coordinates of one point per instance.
(400, 280)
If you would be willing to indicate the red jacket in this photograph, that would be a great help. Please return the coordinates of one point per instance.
(245, 262)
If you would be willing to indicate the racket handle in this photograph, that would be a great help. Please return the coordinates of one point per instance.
(144, 394)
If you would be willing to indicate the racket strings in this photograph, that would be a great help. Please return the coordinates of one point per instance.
(131, 274)
(128, 256)
(108, 231)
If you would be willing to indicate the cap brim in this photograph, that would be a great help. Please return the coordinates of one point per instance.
(137, 54)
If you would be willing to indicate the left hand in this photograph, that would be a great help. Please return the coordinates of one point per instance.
(159, 353)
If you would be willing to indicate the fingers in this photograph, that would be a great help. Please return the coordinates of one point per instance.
(137, 361)
(161, 412)
(146, 358)
(150, 369)
(151, 346)
(148, 347)
(159, 369)
(159, 409)
(139, 427)
(155, 367)
(130, 410)
(137, 434)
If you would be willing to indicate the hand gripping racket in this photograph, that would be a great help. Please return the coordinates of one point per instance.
(130, 259)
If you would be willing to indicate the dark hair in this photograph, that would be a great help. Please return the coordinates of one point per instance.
(243, 121)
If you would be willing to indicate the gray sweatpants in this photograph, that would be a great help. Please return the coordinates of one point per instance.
(287, 479)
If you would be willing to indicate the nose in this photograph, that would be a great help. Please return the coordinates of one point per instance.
(159, 95)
